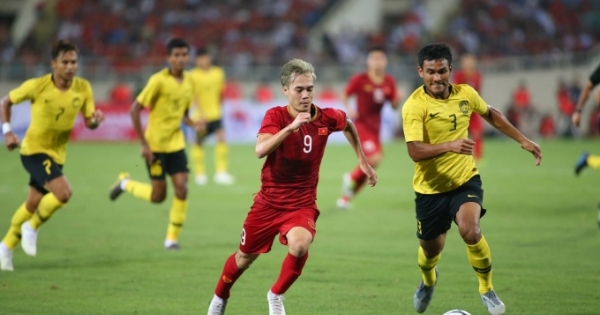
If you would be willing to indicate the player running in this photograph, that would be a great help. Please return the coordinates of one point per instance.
(168, 94)
(210, 85)
(56, 99)
(372, 89)
(447, 184)
(468, 74)
(293, 139)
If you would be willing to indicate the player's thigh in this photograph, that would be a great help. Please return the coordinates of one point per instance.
(60, 188)
(259, 230)
(42, 169)
(469, 192)
(305, 219)
(219, 131)
(432, 213)
(433, 247)
(372, 147)
(33, 199)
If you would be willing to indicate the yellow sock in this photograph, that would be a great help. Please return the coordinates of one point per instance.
(13, 236)
(139, 190)
(198, 159)
(481, 260)
(48, 205)
(221, 155)
(593, 161)
(176, 218)
(427, 267)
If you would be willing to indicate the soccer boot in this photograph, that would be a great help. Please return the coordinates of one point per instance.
(6, 255)
(347, 192)
(29, 239)
(217, 306)
(493, 303)
(424, 294)
(275, 304)
(201, 179)
(172, 245)
(581, 163)
(116, 190)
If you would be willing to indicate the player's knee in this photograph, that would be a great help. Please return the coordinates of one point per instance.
(375, 160)
(471, 234)
(243, 260)
(63, 195)
(299, 247)
(158, 196)
(181, 192)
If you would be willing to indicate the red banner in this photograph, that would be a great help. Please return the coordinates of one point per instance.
(117, 125)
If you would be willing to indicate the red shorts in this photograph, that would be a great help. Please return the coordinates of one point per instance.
(369, 141)
(263, 223)
(476, 123)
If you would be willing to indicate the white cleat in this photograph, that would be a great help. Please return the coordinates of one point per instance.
(343, 203)
(201, 180)
(493, 303)
(217, 306)
(29, 239)
(347, 192)
(275, 304)
(224, 179)
(6, 255)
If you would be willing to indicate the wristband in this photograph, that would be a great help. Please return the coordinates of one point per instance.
(6, 128)
(578, 110)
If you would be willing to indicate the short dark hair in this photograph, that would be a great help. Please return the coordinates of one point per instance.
(201, 51)
(176, 43)
(435, 52)
(376, 48)
(62, 46)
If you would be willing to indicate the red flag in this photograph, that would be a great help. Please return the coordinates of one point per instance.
(323, 131)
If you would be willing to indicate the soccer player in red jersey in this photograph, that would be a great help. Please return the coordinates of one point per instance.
(372, 89)
(293, 139)
(468, 74)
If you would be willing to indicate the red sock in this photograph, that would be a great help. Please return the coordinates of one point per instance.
(478, 149)
(290, 271)
(359, 179)
(230, 274)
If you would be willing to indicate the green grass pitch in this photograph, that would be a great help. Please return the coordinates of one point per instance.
(102, 257)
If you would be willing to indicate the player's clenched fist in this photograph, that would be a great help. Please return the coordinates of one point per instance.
(301, 119)
(98, 116)
(11, 140)
(462, 146)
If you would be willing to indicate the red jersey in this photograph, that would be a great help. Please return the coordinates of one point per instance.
(370, 98)
(291, 172)
(474, 80)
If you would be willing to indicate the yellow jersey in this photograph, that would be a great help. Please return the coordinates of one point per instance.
(168, 100)
(210, 85)
(433, 121)
(53, 114)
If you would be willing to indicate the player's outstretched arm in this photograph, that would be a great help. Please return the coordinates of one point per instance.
(352, 135)
(267, 143)
(10, 139)
(495, 118)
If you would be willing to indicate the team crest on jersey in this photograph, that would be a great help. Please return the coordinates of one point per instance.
(76, 102)
(464, 107)
(368, 88)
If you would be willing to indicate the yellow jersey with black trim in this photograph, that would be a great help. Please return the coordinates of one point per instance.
(168, 100)
(210, 85)
(430, 120)
(53, 114)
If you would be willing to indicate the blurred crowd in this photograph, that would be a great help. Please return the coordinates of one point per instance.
(128, 33)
